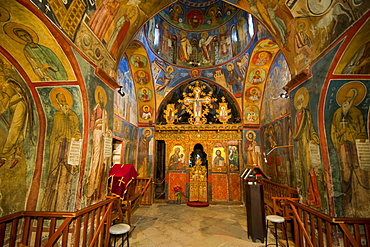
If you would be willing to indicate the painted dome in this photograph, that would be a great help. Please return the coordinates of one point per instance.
(199, 34)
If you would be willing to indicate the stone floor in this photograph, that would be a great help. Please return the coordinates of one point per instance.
(174, 225)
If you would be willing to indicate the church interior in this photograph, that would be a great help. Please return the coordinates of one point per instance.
(189, 95)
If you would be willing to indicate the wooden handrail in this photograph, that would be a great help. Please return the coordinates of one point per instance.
(302, 227)
(349, 235)
(38, 223)
(315, 226)
(312, 227)
(101, 224)
(57, 234)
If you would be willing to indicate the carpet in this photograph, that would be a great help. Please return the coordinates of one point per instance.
(197, 204)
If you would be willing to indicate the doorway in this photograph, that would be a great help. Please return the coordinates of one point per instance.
(160, 169)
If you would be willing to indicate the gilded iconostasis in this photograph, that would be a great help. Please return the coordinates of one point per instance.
(217, 84)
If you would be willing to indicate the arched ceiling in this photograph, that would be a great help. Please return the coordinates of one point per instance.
(209, 42)
(188, 28)
(101, 31)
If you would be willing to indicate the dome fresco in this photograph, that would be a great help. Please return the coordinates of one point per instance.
(200, 34)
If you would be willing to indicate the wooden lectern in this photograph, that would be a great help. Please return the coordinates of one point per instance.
(254, 202)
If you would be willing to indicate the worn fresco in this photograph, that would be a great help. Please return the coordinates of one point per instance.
(101, 133)
(126, 107)
(28, 40)
(118, 128)
(347, 108)
(307, 151)
(130, 143)
(273, 105)
(63, 108)
(313, 186)
(167, 75)
(296, 25)
(145, 152)
(19, 138)
(112, 23)
(355, 59)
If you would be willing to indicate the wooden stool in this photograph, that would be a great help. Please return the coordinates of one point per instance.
(120, 229)
(275, 219)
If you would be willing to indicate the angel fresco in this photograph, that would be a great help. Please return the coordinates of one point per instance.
(43, 60)
(214, 13)
(176, 11)
(168, 76)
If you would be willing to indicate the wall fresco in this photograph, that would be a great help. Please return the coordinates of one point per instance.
(273, 105)
(140, 67)
(347, 108)
(258, 71)
(296, 25)
(356, 56)
(126, 106)
(145, 152)
(24, 38)
(18, 142)
(130, 143)
(63, 108)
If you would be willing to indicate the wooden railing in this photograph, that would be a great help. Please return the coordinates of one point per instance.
(273, 193)
(86, 227)
(310, 227)
(313, 228)
(145, 187)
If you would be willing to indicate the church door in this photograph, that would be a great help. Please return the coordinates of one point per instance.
(198, 175)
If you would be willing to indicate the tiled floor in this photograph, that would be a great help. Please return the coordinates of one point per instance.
(173, 225)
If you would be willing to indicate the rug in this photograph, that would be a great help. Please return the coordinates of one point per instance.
(197, 204)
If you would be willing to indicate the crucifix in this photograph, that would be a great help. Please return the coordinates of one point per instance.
(197, 102)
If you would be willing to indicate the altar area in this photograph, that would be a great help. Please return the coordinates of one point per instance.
(205, 163)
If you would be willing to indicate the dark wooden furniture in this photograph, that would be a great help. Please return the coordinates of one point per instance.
(255, 212)
(131, 200)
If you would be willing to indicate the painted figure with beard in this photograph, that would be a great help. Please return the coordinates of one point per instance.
(305, 134)
(218, 159)
(100, 128)
(13, 100)
(348, 126)
(144, 162)
(252, 149)
(65, 127)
